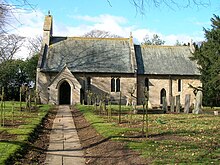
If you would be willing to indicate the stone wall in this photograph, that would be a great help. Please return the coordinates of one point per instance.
(42, 82)
(48, 85)
(157, 83)
(102, 84)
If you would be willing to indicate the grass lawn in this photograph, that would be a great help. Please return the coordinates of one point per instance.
(18, 129)
(172, 138)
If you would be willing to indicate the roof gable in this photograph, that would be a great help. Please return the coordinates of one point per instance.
(66, 75)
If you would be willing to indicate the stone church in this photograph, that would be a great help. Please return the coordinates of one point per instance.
(68, 67)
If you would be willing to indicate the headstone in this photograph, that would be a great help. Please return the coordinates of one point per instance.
(216, 113)
(172, 104)
(198, 103)
(187, 103)
(149, 105)
(164, 107)
(178, 103)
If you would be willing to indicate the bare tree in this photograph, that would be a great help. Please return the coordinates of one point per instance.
(8, 8)
(100, 34)
(178, 43)
(34, 45)
(9, 45)
(141, 5)
(3, 15)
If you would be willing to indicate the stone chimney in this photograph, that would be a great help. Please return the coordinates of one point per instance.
(47, 29)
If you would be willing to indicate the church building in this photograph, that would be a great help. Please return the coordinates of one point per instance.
(69, 67)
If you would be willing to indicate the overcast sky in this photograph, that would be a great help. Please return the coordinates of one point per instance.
(76, 17)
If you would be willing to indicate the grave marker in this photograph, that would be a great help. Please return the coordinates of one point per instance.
(178, 103)
(164, 107)
(172, 104)
(187, 103)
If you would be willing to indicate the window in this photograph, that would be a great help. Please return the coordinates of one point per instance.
(115, 84)
(146, 83)
(162, 94)
(179, 85)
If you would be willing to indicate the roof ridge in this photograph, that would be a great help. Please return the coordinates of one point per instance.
(163, 46)
(96, 38)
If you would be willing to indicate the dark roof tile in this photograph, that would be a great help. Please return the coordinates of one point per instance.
(169, 60)
(89, 55)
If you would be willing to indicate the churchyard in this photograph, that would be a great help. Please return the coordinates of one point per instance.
(160, 138)
(18, 127)
(164, 135)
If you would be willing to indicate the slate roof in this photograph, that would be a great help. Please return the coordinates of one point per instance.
(88, 55)
(165, 60)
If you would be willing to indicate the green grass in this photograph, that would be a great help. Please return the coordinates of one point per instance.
(22, 132)
(103, 127)
(173, 138)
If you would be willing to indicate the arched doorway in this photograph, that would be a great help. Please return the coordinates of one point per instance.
(162, 94)
(64, 93)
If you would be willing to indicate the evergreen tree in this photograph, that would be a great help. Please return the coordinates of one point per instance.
(14, 73)
(208, 58)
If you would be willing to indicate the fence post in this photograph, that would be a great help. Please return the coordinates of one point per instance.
(20, 98)
(119, 116)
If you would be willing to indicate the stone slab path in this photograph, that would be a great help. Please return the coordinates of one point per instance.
(64, 147)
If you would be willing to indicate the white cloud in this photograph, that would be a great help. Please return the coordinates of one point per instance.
(113, 24)
(139, 34)
(27, 24)
(101, 18)
(32, 25)
(118, 25)
(182, 38)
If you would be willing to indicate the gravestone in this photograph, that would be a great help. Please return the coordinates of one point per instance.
(178, 103)
(187, 103)
(172, 104)
(149, 105)
(164, 107)
(198, 103)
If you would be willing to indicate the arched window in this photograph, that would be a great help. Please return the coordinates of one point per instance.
(162, 94)
(115, 85)
(146, 83)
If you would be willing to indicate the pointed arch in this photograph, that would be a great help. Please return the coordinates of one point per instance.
(63, 80)
(162, 94)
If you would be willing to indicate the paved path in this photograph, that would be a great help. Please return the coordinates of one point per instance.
(64, 147)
